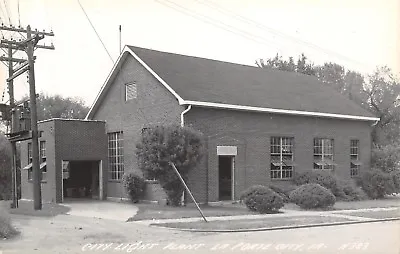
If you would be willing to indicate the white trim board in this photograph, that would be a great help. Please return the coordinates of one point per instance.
(277, 111)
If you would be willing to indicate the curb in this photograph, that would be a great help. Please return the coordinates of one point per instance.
(278, 228)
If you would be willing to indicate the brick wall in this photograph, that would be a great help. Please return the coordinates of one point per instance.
(65, 140)
(48, 186)
(154, 105)
(251, 133)
(79, 141)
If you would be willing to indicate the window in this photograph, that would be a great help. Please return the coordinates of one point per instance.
(30, 161)
(323, 154)
(42, 160)
(130, 91)
(282, 157)
(43, 166)
(115, 155)
(354, 157)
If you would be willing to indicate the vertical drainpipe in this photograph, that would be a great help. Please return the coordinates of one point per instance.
(182, 125)
(183, 113)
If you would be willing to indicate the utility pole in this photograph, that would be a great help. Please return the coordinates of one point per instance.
(37, 188)
(28, 46)
(14, 191)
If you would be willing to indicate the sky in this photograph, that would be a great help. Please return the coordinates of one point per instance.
(358, 34)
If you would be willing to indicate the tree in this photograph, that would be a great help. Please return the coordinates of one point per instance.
(5, 168)
(56, 106)
(383, 91)
(378, 92)
(160, 145)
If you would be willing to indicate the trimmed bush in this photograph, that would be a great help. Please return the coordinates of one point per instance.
(262, 199)
(377, 183)
(6, 228)
(350, 191)
(327, 180)
(396, 180)
(283, 191)
(134, 186)
(312, 195)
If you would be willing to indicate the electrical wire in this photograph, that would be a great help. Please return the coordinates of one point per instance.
(8, 11)
(217, 23)
(94, 29)
(19, 16)
(274, 31)
(3, 13)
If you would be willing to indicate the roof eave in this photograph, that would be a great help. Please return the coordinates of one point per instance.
(277, 111)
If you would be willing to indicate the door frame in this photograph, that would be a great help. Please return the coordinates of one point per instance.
(229, 151)
(101, 183)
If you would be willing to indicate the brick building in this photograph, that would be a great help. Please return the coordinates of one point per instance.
(260, 125)
(72, 158)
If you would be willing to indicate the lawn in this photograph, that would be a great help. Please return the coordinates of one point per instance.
(154, 211)
(389, 201)
(48, 209)
(253, 223)
(377, 214)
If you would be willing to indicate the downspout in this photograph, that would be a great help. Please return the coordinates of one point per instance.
(183, 113)
(183, 201)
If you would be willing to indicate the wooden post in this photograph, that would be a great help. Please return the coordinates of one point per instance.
(188, 190)
(14, 191)
(37, 187)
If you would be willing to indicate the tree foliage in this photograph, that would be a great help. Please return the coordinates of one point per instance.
(378, 92)
(56, 106)
(161, 145)
(5, 167)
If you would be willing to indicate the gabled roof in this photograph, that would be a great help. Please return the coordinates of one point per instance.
(211, 83)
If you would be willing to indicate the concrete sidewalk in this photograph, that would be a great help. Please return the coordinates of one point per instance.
(101, 209)
(285, 214)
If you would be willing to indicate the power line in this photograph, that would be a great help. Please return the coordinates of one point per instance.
(217, 23)
(94, 29)
(19, 16)
(273, 31)
(2, 11)
(7, 10)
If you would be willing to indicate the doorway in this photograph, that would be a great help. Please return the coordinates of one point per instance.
(226, 169)
(82, 180)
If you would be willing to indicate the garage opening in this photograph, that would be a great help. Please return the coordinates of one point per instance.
(81, 179)
(226, 169)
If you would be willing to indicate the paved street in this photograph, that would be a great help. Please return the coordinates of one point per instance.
(76, 234)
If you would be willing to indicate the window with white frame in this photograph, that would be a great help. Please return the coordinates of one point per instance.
(354, 157)
(323, 153)
(116, 155)
(43, 166)
(130, 91)
(282, 157)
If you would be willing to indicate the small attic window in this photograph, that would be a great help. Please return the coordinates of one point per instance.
(130, 91)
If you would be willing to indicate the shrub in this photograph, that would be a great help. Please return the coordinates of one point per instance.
(261, 199)
(5, 168)
(6, 228)
(323, 178)
(350, 191)
(134, 186)
(161, 145)
(312, 195)
(386, 158)
(396, 180)
(283, 191)
(377, 183)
